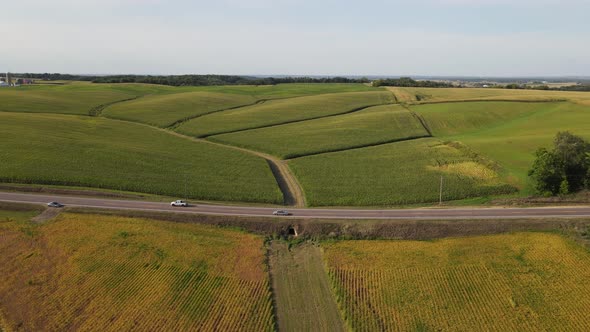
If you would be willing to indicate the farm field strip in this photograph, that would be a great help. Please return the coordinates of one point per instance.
(125, 273)
(282, 111)
(409, 172)
(164, 165)
(429, 95)
(447, 119)
(172, 109)
(370, 126)
(521, 281)
(304, 299)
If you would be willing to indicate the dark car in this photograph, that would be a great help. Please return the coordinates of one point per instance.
(55, 204)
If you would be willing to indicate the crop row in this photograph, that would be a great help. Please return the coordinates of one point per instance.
(512, 282)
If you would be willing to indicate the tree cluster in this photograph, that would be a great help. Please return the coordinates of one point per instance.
(564, 169)
(409, 82)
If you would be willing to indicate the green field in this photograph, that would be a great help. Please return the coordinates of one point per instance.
(80, 272)
(429, 95)
(449, 119)
(282, 111)
(329, 133)
(512, 144)
(165, 110)
(374, 125)
(96, 152)
(395, 174)
(66, 99)
(509, 282)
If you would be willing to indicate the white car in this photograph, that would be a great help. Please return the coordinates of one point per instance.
(179, 203)
(281, 213)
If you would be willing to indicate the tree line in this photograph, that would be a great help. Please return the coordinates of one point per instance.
(409, 82)
(192, 80)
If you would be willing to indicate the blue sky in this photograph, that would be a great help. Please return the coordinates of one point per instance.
(371, 37)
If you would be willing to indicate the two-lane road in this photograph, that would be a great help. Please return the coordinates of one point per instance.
(426, 213)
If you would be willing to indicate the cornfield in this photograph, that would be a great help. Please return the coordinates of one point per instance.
(515, 282)
(84, 272)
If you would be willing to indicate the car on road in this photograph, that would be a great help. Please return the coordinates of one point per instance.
(179, 202)
(55, 204)
(281, 213)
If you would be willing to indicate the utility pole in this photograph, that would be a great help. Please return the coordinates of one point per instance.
(440, 192)
(186, 186)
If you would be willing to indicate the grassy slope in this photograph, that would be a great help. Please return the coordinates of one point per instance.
(457, 118)
(370, 126)
(165, 110)
(513, 143)
(82, 271)
(96, 152)
(304, 299)
(511, 282)
(393, 174)
(282, 111)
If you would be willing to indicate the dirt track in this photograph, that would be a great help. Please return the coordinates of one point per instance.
(416, 214)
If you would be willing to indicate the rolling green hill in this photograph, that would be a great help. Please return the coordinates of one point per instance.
(399, 173)
(102, 153)
(371, 126)
(282, 111)
(165, 110)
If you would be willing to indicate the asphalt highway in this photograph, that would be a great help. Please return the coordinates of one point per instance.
(228, 210)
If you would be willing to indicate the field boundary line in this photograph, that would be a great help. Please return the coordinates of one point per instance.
(488, 100)
(177, 123)
(97, 110)
(370, 145)
(284, 176)
(358, 109)
(420, 119)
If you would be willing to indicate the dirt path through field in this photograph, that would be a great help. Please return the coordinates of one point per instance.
(302, 293)
(49, 213)
(290, 187)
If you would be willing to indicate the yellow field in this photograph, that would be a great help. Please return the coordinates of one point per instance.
(410, 95)
(511, 282)
(86, 272)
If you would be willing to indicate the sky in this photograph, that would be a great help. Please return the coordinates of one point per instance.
(297, 37)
